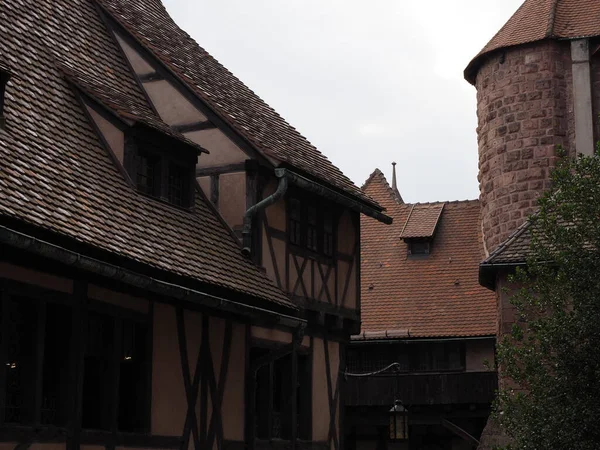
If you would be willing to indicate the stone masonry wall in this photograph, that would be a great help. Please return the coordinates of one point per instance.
(595, 75)
(523, 95)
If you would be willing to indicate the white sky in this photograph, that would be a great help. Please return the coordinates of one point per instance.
(367, 82)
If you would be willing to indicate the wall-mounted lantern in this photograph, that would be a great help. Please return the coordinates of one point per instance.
(398, 422)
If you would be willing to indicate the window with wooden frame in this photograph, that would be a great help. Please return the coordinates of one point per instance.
(39, 349)
(438, 356)
(412, 357)
(274, 390)
(311, 224)
(116, 374)
(418, 247)
(4, 77)
(160, 168)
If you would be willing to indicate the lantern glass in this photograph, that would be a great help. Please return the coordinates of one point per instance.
(398, 423)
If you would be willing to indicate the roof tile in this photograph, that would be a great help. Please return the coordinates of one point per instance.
(55, 173)
(149, 22)
(436, 296)
(543, 19)
(422, 220)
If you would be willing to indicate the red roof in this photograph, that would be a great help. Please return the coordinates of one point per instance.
(434, 296)
(543, 19)
(422, 220)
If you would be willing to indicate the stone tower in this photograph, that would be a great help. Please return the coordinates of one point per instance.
(538, 86)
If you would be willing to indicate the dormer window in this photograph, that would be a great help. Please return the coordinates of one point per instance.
(418, 247)
(4, 77)
(420, 226)
(160, 167)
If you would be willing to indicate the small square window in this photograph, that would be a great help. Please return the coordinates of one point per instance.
(418, 247)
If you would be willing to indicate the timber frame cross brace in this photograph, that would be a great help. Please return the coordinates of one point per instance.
(204, 380)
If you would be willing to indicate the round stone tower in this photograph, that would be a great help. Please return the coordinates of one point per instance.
(533, 94)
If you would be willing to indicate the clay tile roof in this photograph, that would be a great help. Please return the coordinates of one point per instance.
(435, 296)
(56, 175)
(123, 106)
(542, 19)
(269, 133)
(422, 221)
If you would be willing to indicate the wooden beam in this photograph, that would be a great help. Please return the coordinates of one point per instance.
(214, 190)
(80, 320)
(195, 126)
(152, 76)
(218, 170)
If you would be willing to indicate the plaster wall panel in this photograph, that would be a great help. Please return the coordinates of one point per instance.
(270, 334)
(205, 185)
(351, 294)
(232, 197)
(118, 299)
(343, 272)
(171, 105)
(222, 149)
(169, 405)
(114, 137)
(41, 279)
(346, 234)
(140, 65)
(267, 260)
(477, 353)
(321, 410)
(276, 215)
(233, 399)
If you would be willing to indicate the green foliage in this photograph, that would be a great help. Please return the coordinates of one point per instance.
(553, 354)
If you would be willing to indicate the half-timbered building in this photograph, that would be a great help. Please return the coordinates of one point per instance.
(426, 319)
(179, 267)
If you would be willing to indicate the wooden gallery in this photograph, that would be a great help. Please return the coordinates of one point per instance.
(179, 267)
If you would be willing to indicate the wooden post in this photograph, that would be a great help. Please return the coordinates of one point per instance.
(294, 385)
(80, 320)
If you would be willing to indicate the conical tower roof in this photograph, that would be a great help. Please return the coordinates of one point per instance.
(536, 20)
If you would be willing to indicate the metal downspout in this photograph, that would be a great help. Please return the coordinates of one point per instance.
(247, 230)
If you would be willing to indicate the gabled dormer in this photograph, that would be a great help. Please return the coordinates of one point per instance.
(160, 167)
(156, 160)
(4, 77)
(419, 229)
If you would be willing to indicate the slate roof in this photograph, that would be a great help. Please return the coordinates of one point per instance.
(514, 250)
(422, 220)
(268, 132)
(434, 296)
(56, 175)
(543, 19)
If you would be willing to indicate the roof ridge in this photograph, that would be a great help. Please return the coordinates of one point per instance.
(386, 185)
(450, 202)
(370, 178)
(552, 20)
(509, 241)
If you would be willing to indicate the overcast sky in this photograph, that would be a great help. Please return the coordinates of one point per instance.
(367, 82)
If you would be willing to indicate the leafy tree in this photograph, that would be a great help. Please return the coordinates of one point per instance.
(550, 363)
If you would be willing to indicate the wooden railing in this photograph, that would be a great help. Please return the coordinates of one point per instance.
(422, 389)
